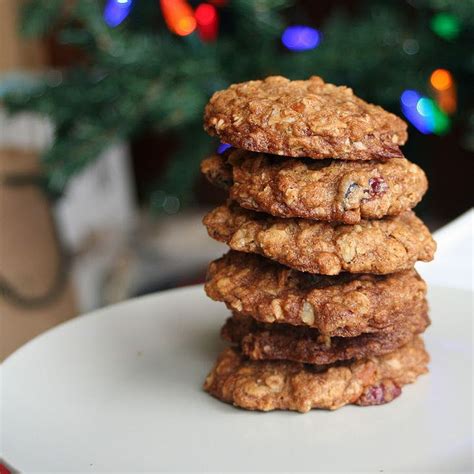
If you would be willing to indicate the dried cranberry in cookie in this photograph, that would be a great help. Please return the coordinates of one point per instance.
(284, 385)
(328, 190)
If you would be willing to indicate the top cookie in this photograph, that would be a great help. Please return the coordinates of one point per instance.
(303, 119)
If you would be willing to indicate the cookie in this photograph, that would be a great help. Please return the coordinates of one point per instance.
(261, 341)
(328, 190)
(284, 385)
(376, 246)
(345, 305)
(303, 119)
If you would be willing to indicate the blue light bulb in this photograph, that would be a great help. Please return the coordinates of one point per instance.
(300, 38)
(115, 11)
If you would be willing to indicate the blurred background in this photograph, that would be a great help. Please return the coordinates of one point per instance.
(101, 136)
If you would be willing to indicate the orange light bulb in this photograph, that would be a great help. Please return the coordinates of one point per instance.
(179, 16)
(185, 25)
(441, 79)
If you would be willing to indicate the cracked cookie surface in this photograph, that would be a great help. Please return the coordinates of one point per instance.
(330, 190)
(284, 385)
(308, 118)
(376, 246)
(260, 341)
(343, 305)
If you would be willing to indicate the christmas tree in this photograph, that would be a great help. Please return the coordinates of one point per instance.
(152, 65)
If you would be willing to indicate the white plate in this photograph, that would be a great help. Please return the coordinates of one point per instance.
(120, 390)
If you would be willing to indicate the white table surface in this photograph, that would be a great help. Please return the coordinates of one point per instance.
(453, 263)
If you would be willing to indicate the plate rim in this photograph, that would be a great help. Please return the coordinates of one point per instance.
(94, 312)
(163, 294)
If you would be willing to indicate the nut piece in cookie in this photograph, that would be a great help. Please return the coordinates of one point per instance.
(284, 385)
(303, 119)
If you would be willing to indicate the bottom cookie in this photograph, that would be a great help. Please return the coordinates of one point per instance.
(284, 385)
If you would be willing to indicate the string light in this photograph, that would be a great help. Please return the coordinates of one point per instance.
(178, 16)
(300, 38)
(409, 100)
(115, 11)
(437, 120)
(441, 79)
(446, 25)
(207, 21)
(423, 113)
(222, 148)
(442, 82)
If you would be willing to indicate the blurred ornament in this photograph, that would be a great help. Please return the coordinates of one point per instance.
(446, 25)
(207, 21)
(115, 11)
(300, 38)
(222, 148)
(443, 85)
(178, 16)
(423, 113)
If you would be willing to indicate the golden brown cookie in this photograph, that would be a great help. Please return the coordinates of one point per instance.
(263, 341)
(376, 246)
(303, 119)
(344, 305)
(328, 190)
(283, 385)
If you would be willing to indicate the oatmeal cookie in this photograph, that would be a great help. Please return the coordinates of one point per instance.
(328, 190)
(284, 385)
(376, 246)
(263, 341)
(344, 305)
(303, 119)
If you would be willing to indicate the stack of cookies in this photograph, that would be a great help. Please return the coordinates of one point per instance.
(327, 309)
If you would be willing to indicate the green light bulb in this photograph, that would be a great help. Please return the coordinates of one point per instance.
(445, 25)
(442, 123)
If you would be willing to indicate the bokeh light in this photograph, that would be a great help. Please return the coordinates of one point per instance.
(424, 107)
(441, 79)
(423, 113)
(179, 16)
(162, 201)
(300, 38)
(115, 11)
(185, 26)
(410, 98)
(446, 25)
(205, 14)
(207, 21)
(411, 46)
(411, 113)
(223, 147)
